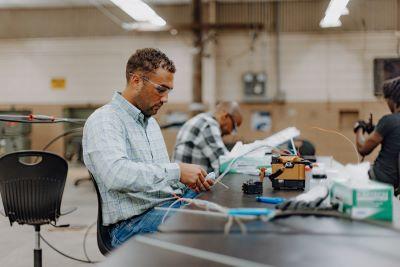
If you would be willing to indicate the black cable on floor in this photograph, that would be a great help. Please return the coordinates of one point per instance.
(75, 130)
(85, 238)
(71, 257)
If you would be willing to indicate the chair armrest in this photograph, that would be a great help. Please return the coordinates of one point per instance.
(68, 211)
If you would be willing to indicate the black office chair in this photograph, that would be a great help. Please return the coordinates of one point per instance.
(32, 190)
(103, 233)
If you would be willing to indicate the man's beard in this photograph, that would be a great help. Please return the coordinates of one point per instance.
(152, 110)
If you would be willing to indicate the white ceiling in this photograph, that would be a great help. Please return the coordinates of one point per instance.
(69, 3)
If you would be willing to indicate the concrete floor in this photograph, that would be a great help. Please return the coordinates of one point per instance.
(17, 242)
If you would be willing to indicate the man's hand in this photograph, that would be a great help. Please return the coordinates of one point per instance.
(370, 128)
(204, 184)
(193, 176)
(360, 125)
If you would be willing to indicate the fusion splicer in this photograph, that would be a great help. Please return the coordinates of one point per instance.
(288, 172)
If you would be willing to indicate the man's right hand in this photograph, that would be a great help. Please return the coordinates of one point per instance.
(193, 176)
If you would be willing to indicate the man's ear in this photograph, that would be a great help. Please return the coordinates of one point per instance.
(135, 79)
(225, 118)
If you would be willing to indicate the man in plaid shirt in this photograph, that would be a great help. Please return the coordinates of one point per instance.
(125, 151)
(199, 141)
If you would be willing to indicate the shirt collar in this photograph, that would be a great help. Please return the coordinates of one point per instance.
(133, 111)
(211, 116)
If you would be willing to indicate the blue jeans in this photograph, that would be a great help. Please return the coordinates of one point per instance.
(147, 222)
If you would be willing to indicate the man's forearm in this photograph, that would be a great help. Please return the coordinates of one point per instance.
(125, 175)
(360, 140)
(361, 144)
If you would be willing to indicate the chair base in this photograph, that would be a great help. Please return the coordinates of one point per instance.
(37, 257)
(37, 252)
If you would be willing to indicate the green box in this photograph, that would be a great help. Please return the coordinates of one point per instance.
(363, 200)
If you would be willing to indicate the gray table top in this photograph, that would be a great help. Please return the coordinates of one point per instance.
(198, 240)
(256, 250)
(233, 198)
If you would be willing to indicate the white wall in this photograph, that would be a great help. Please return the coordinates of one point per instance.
(93, 68)
(234, 58)
(314, 67)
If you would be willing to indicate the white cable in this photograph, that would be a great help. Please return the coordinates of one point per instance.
(243, 228)
(211, 176)
(294, 148)
(198, 202)
(262, 145)
(270, 142)
(209, 213)
(201, 212)
(199, 253)
(206, 204)
(169, 209)
(228, 225)
(224, 185)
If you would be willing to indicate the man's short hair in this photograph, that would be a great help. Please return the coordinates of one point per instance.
(391, 90)
(148, 60)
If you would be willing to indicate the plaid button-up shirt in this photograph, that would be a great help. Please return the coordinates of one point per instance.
(199, 141)
(126, 153)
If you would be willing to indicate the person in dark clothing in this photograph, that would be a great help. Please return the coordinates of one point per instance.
(387, 134)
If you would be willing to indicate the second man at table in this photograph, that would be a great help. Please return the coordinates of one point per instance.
(199, 141)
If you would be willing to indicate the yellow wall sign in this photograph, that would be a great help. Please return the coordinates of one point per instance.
(58, 83)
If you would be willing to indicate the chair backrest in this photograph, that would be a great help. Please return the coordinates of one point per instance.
(103, 234)
(32, 192)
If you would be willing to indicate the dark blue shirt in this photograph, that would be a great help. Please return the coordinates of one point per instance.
(386, 166)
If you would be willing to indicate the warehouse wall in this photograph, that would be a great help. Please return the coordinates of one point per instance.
(92, 67)
(314, 67)
(322, 76)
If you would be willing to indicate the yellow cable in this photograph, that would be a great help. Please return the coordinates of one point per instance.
(342, 135)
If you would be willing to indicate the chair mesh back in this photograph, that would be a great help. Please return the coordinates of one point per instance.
(32, 194)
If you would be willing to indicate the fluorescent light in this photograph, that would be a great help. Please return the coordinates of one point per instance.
(345, 11)
(140, 12)
(335, 9)
(141, 26)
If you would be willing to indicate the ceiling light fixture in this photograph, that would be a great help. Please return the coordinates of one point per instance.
(335, 9)
(144, 15)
